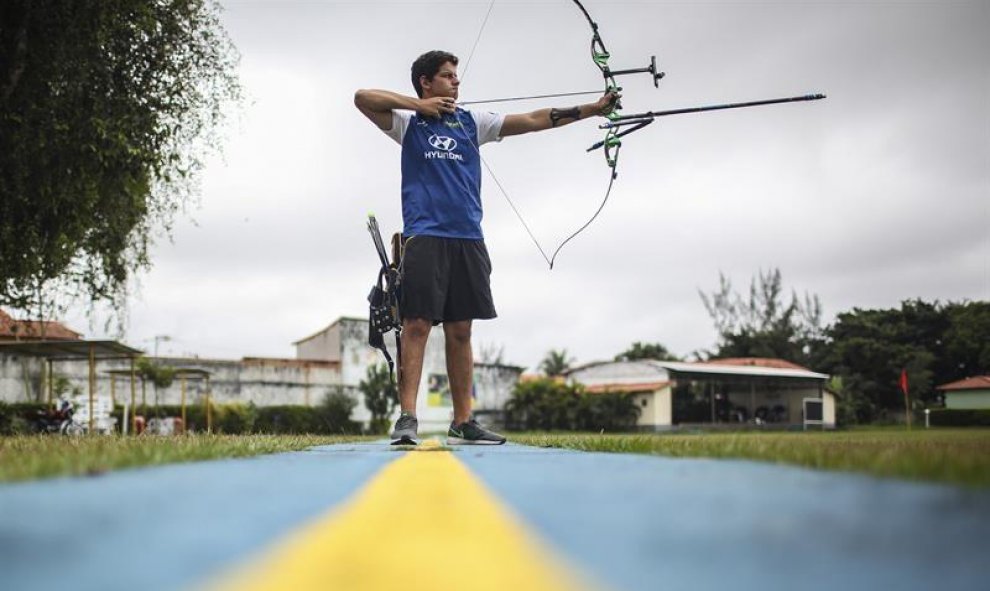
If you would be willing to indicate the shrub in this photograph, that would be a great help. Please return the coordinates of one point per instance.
(234, 419)
(542, 404)
(331, 417)
(610, 411)
(548, 405)
(335, 412)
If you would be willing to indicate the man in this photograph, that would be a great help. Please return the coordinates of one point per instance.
(445, 267)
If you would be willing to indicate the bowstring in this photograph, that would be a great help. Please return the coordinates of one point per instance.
(477, 148)
(586, 224)
(477, 39)
(549, 259)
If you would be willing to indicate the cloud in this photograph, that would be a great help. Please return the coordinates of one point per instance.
(877, 194)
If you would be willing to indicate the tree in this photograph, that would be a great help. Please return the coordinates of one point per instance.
(646, 351)
(492, 354)
(556, 363)
(934, 343)
(764, 324)
(161, 376)
(107, 112)
(380, 396)
(852, 407)
(965, 345)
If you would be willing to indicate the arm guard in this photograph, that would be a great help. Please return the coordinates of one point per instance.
(557, 114)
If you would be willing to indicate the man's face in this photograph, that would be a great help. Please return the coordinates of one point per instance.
(444, 83)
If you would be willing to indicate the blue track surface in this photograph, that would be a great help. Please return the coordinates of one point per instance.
(169, 527)
(633, 522)
(642, 522)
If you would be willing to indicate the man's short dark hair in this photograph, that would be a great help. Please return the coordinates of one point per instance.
(428, 65)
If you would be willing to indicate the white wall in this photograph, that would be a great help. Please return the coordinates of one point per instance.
(967, 399)
(828, 409)
(21, 379)
(264, 382)
(323, 345)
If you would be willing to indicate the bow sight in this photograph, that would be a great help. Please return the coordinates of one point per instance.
(652, 69)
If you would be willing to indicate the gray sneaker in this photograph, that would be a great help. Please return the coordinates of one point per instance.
(405, 432)
(471, 433)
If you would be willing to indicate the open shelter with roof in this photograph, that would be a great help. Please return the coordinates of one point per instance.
(75, 351)
(726, 392)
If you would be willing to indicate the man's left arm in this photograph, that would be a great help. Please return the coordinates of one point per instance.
(549, 118)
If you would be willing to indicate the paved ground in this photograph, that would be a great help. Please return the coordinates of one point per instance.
(624, 522)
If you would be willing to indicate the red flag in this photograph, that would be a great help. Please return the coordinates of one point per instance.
(904, 382)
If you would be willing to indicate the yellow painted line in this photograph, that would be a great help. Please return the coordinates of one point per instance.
(423, 523)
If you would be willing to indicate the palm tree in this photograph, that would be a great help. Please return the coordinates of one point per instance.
(556, 363)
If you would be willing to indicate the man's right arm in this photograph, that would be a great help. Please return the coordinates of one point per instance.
(378, 105)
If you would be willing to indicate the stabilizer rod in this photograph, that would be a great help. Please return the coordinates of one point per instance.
(651, 114)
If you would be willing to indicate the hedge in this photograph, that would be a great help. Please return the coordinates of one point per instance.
(332, 417)
(18, 418)
(959, 417)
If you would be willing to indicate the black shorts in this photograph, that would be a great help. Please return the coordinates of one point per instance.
(446, 279)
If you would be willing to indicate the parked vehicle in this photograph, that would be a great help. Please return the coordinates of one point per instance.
(58, 419)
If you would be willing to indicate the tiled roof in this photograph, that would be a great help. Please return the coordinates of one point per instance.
(32, 330)
(755, 362)
(974, 383)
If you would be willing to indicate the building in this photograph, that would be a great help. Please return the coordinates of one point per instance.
(333, 359)
(970, 393)
(721, 391)
(21, 376)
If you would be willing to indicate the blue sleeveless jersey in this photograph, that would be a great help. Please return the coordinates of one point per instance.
(441, 177)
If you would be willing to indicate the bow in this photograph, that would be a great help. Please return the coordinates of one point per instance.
(612, 142)
(600, 57)
(618, 125)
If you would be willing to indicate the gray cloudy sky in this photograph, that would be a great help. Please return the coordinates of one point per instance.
(877, 194)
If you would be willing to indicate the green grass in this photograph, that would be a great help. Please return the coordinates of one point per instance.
(39, 456)
(952, 456)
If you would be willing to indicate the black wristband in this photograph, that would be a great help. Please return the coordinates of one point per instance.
(557, 114)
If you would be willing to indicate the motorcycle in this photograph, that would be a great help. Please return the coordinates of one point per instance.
(58, 420)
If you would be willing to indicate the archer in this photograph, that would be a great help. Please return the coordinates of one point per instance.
(445, 268)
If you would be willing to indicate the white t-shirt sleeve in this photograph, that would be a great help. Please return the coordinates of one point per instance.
(489, 126)
(400, 123)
